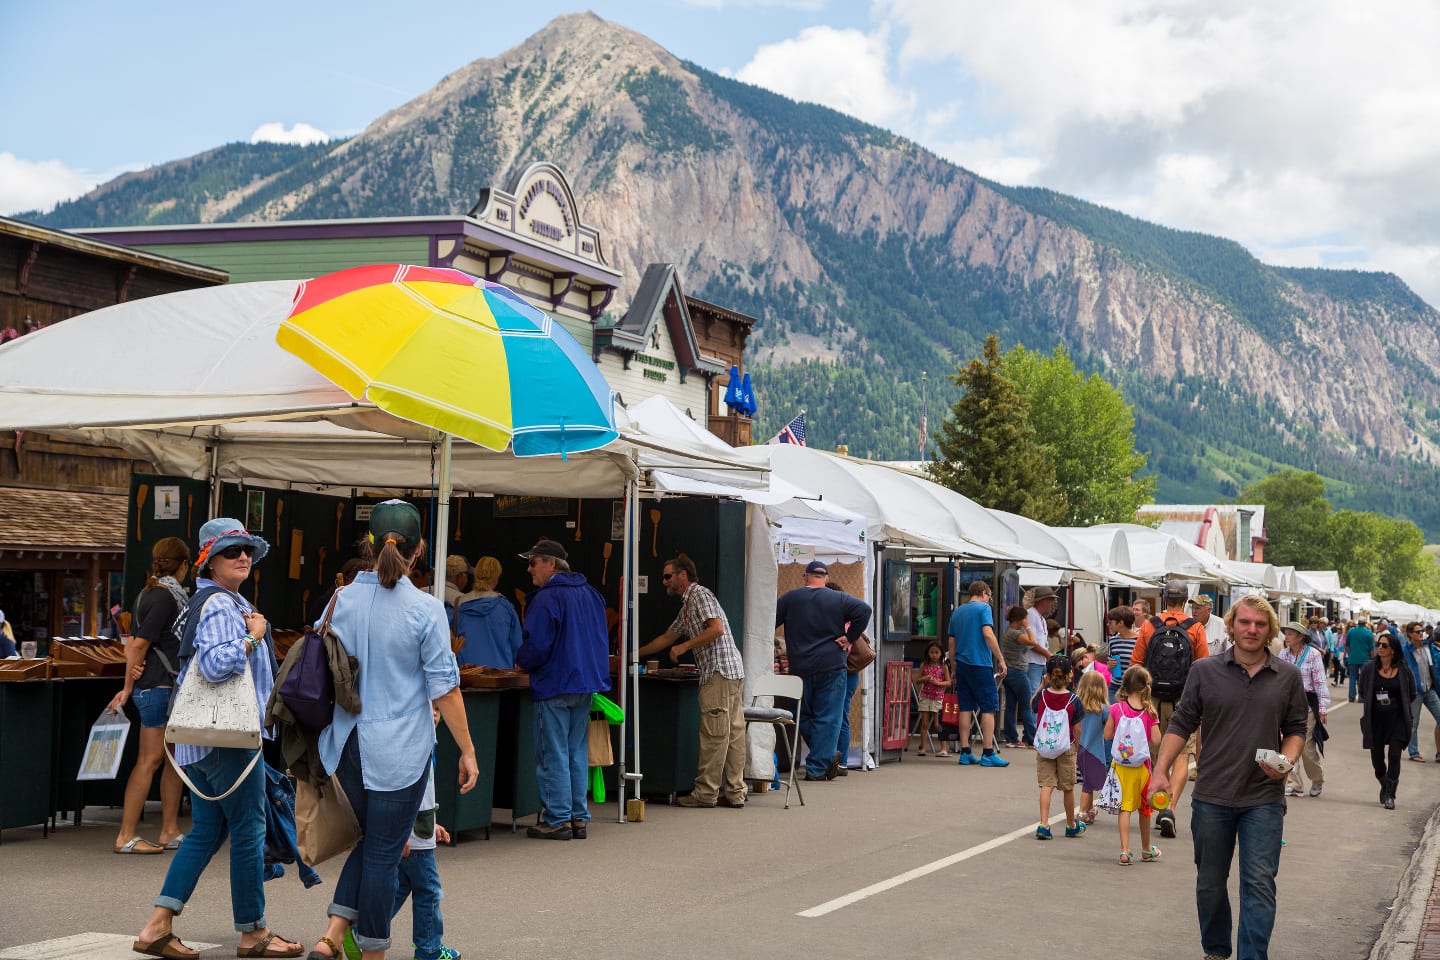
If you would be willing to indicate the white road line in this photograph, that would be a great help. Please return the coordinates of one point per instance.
(830, 906)
(84, 946)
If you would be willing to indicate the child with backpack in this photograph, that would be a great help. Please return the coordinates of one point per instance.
(1057, 732)
(1134, 732)
(1092, 759)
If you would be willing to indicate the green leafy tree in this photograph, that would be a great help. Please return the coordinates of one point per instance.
(1297, 519)
(1384, 556)
(987, 449)
(1089, 431)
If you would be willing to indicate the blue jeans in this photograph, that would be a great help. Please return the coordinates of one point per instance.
(1035, 673)
(820, 708)
(419, 876)
(1354, 670)
(1017, 702)
(852, 683)
(1215, 829)
(241, 817)
(1431, 701)
(562, 757)
(365, 892)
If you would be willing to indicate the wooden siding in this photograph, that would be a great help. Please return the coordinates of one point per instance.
(297, 259)
(633, 385)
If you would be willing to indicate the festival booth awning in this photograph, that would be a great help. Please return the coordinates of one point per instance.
(1158, 556)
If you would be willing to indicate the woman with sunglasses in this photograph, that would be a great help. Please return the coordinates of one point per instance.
(1386, 689)
(229, 636)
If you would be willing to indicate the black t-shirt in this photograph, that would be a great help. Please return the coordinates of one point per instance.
(1391, 688)
(155, 613)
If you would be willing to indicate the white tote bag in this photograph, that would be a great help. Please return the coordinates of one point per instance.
(223, 714)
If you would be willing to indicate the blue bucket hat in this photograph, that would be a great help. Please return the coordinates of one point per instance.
(224, 532)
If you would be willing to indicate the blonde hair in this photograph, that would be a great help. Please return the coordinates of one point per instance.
(1093, 692)
(1259, 604)
(487, 573)
(1137, 681)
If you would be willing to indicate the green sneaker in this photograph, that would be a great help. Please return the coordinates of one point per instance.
(445, 954)
(352, 950)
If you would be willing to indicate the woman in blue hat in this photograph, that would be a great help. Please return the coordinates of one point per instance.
(400, 637)
(229, 635)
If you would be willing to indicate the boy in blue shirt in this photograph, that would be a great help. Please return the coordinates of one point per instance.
(978, 662)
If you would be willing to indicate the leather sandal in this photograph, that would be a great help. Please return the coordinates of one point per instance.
(167, 946)
(261, 948)
(317, 955)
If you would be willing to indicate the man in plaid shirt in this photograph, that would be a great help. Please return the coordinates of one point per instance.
(701, 626)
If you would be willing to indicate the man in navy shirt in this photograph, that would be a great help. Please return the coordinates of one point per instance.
(976, 655)
(820, 625)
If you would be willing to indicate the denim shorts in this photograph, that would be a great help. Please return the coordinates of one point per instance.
(153, 705)
(975, 689)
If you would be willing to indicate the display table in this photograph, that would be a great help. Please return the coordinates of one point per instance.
(669, 722)
(473, 810)
(27, 752)
(516, 787)
(81, 700)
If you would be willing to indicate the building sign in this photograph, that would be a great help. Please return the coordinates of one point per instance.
(508, 506)
(540, 206)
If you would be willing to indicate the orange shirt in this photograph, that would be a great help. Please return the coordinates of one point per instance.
(1199, 646)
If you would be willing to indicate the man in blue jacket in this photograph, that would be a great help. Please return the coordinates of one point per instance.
(820, 625)
(566, 652)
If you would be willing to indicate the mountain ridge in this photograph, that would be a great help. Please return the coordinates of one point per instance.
(860, 247)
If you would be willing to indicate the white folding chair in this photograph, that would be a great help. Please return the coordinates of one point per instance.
(780, 685)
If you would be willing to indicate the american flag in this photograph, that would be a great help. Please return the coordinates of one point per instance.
(792, 432)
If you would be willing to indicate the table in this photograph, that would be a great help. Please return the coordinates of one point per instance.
(516, 786)
(81, 700)
(27, 752)
(473, 810)
(669, 720)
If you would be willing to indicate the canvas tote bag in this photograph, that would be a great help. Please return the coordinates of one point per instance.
(223, 714)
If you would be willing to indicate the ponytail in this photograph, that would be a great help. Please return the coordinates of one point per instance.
(391, 563)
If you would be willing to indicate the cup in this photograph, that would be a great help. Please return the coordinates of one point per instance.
(652, 665)
(27, 649)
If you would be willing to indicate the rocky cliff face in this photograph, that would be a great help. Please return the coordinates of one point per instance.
(800, 214)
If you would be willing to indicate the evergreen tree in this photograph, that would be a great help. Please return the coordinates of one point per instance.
(986, 446)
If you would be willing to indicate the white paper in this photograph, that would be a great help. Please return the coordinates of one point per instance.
(105, 747)
(167, 503)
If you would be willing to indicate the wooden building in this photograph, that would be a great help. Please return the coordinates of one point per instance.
(63, 502)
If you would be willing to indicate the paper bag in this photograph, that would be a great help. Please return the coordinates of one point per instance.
(602, 753)
(325, 826)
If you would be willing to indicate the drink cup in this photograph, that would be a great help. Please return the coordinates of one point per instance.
(652, 665)
(27, 649)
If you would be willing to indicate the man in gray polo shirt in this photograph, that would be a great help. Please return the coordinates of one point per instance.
(1247, 699)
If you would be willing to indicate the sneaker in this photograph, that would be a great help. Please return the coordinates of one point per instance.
(1291, 791)
(967, 758)
(1167, 824)
(1075, 831)
(445, 953)
(690, 801)
(351, 948)
(1042, 832)
(993, 760)
(1215, 956)
(1315, 789)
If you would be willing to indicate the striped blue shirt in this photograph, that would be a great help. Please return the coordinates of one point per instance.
(220, 654)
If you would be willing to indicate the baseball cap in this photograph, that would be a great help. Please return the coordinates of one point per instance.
(1176, 590)
(545, 548)
(395, 516)
(1202, 598)
(816, 567)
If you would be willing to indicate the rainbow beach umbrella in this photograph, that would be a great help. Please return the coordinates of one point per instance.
(444, 349)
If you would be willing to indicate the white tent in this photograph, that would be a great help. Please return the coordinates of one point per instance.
(1158, 556)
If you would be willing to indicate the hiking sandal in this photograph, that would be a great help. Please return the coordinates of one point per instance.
(1150, 855)
(1126, 858)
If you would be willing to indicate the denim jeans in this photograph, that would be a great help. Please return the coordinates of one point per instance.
(820, 719)
(421, 878)
(365, 892)
(1017, 701)
(1035, 674)
(562, 756)
(852, 683)
(1431, 700)
(1215, 830)
(1354, 671)
(241, 816)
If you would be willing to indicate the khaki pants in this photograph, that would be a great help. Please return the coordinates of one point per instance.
(1309, 758)
(722, 740)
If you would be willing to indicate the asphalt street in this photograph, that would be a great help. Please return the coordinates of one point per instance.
(917, 859)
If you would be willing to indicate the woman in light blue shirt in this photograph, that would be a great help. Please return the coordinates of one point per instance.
(229, 635)
(401, 639)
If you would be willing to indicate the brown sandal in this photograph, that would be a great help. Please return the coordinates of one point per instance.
(167, 947)
(262, 949)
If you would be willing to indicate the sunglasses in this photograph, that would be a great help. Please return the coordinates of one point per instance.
(1382, 646)
(666, 576)
(233, 551)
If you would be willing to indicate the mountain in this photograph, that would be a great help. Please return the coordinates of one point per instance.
(869, 259)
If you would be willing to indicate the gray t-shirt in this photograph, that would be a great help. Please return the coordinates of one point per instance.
(1013, 647)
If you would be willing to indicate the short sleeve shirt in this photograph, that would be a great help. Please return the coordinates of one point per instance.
(967, 626)
(1042, 633)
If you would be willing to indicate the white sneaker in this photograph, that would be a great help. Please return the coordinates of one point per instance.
(1292, 792)
(1315, 789)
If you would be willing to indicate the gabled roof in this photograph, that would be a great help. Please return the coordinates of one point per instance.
(659, 297)
(33, 519)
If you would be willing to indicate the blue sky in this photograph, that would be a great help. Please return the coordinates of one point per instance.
(1309, 130)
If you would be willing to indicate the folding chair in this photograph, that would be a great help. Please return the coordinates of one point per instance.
(780, 685)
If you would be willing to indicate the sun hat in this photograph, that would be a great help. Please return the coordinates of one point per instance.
(545, 548)
(1295, 625)
(1042, 593)
(222, 532)
(395, 516)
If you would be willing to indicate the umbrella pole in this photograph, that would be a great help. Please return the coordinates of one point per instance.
(442, 519)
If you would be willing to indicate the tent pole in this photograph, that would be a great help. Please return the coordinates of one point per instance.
(214, 479)
(441, 534)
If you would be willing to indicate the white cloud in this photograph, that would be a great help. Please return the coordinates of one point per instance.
(31, 185)
(1291, 125)
(844, 69)
(300, 133)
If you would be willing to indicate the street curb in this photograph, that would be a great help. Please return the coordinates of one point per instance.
(1400, 937)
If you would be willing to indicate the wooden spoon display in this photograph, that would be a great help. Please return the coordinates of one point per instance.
(279, 512)
(579, 504)
(520, 599)
(608, 549)
(304, 605)
(339, 515)
(654, 531)
(140, 494)
(189, 513)
(320, 562)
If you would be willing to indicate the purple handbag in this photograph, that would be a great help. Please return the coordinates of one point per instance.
(308, 689)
